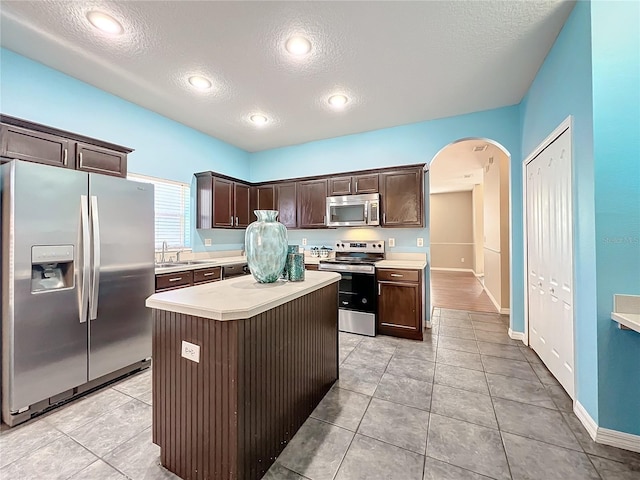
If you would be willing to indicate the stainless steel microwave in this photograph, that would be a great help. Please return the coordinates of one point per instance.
(353, 210)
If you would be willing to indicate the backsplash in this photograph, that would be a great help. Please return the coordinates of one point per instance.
(405, 238)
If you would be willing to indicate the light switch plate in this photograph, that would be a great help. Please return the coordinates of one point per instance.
(392, 242)
(420, 242)
(191, 351)
(207, 242)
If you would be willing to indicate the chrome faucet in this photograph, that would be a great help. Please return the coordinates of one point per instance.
(164, 251)
(178, 255)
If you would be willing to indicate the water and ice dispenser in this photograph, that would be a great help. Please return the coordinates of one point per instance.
(51, 267)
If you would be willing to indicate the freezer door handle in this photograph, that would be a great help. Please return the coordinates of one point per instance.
(86, 257)
(95, 281)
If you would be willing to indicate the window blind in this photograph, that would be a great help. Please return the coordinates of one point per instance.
(172, 211)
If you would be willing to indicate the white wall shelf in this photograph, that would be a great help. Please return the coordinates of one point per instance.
(626, 311)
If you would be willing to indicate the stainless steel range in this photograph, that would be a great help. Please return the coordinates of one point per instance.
(355, 261)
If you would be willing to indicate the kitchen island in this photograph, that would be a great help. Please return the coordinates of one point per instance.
(238, 367)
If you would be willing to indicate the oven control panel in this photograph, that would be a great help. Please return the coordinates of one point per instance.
(372, 246)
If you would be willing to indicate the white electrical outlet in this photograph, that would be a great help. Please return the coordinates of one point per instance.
(207, 242)
(420, 242)
(462, 259)
(304, 241)
(191, 351)
(392, 242)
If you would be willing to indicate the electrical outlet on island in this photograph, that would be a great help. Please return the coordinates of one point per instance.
(392, 242)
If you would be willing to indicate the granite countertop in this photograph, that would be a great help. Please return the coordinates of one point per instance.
(237, 298)
(207, 263)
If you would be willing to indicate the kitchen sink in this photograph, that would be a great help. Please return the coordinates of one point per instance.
(193, 262)
(184, 262)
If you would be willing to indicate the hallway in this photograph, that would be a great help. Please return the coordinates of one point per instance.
(459, 291)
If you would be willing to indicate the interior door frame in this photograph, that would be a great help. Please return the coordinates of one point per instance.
(567, 124)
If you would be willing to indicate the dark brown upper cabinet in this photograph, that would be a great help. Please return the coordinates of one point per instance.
(402, 198)
(312, 200)
(32, 142)
(241, 196)
(223, 213)
(353, 184)
(90, 158)
(225, 202)
(221, 202)
(33, 146)
(286, 204)
(262, 198)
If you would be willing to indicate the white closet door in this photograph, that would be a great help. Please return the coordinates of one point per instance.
(549, 258)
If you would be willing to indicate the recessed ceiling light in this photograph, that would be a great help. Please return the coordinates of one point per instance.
(201, 83)
(258, 119)
(105, 23)
(338, 101)
(298, 46)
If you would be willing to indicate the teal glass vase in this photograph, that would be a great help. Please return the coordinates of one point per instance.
(266, 246)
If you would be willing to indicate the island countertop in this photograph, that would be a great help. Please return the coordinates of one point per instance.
(237, 298)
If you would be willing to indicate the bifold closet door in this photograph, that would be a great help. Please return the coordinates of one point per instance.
(549, 258)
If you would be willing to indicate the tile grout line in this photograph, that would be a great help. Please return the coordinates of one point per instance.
(493, 406)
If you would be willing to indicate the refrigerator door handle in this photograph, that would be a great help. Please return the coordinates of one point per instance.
(95, 281)
(86, 257)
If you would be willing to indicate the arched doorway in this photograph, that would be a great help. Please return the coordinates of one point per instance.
(469, 225)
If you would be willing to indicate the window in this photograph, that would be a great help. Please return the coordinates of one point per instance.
(172, 211)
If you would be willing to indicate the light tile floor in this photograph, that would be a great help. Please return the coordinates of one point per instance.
(467, 403)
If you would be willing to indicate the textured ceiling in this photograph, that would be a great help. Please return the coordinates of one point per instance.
(399, 62)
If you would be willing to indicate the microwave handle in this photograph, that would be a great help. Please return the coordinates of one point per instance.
(367, 206)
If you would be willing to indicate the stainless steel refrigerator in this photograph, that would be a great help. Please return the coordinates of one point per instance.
(77, 266)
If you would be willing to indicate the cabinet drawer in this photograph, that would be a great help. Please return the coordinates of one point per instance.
(398, 275)
(172, 280)
(311, 266)
(207, 275)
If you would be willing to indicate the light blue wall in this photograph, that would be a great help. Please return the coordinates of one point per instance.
(561, 88)
(163, 148)
(615, 43)
(407, 144)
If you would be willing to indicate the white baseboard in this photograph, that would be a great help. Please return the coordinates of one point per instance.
(586, 420)
(478, 275)
(443, 269)
(628, 441)
(605, 436)
(516, 335)
(505, 311)
(493, 300)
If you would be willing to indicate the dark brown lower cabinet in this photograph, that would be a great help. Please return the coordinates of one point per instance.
(257, 380)
(187, 278)
(311, 266)
(400, 303)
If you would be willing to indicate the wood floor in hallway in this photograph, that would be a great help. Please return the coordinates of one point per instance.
(459, 291)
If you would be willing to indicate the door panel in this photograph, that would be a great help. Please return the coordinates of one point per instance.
(32, 146)
(401, 193)
(312, 200)
(286, 204)
(121, 333)
(48, 354)
(241, 201)
(549, 259)
(222, 203)
(94, 159)
(366, 183)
